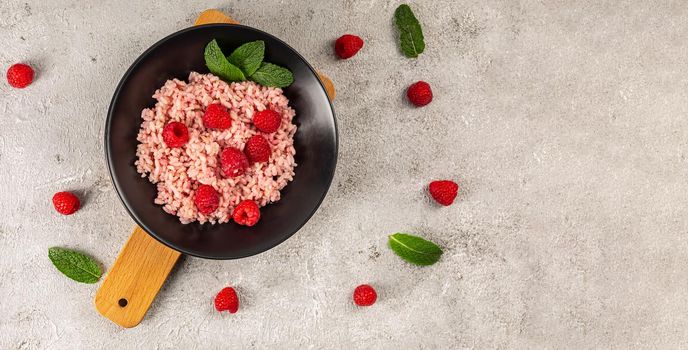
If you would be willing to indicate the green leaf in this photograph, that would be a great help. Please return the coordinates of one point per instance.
(414, 249)
(75, 265)
(410, 32)
(219, 65)
(272, 75)
(248, 57)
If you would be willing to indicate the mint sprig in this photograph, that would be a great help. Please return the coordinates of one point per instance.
(246, 62)
(410, 32)
(75, 265)
(248, 57)
(272, 75)
(414, 249)
(219, 65)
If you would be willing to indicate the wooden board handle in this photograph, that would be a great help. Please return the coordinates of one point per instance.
(215, 16)
(135, 279)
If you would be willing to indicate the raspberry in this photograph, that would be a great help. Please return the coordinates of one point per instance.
(246, 213)
(66, 203)
(206, 199)
(347, 46)
(419, 94)
(267, 121)
(175, 134)
(364, 295)
(20, 75)
(257, 149)
(227, 300)
(444, 191)
(233, 161)
(217, 117)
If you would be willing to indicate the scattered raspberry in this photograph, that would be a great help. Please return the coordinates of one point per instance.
(233, 161)
(66, 203)
(206, 199)
(246, 213)
(257, 149)
(217, 117)
(175, 134)
(20, 75)
(347, 46)
(419, 94)
(444, 191)
(227, 300)
(364, 295)
(267, 121)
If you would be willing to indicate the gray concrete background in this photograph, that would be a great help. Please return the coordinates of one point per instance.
(563, 121)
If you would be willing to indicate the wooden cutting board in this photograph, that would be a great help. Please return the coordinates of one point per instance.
(144, 263)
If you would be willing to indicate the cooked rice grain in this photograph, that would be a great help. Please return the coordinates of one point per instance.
(177, 172)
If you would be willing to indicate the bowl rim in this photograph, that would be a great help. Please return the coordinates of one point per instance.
(108, 151)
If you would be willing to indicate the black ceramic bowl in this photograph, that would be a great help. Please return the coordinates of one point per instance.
(315, 142)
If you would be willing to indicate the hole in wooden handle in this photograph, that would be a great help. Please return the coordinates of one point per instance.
(122, 302)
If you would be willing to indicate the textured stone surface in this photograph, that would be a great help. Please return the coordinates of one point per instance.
(564, 122)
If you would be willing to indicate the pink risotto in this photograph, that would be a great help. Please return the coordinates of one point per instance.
(177, 172)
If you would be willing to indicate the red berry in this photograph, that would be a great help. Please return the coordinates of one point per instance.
(233, 161)
(217, 117)
(364, 295)
(257, 149)
(227, 300)
(175, 134)
(246, 213)
(66, 203)
(419, 93)
(267, 121)
(206, 199)
(347, 46)
(444, 192)
(20, 75)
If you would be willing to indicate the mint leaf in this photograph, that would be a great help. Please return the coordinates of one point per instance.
(246, 61)
(410, 32)
(75, 265)
(414, 249)
(219, 65)
(272, 75)
(248, 57)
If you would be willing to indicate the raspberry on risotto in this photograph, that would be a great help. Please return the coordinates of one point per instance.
(177, 172)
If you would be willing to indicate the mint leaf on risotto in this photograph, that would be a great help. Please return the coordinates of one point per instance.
(219, 65)
(272, 75)
(248, 57)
